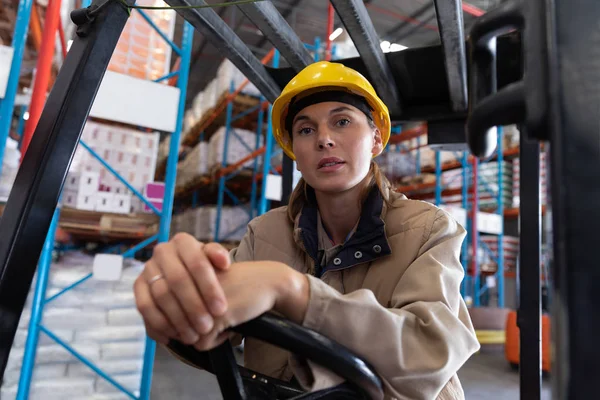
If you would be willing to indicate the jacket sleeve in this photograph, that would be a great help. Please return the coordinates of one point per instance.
(416, 345)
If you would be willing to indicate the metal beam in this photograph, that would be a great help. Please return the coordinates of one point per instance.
(292, 6)
(355, 18)
(450, 22)
(276, 29)
(208, 22)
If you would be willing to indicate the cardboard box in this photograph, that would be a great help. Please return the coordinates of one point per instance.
(121, 203)
(80, 201)
(105, 201)
(86, 182)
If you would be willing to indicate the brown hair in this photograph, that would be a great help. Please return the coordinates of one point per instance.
(299, 196)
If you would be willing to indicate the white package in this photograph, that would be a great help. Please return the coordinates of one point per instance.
(111, 334)
(65, 318)
(120, 351)
(130, 382)
(124, 317)
(111, 367)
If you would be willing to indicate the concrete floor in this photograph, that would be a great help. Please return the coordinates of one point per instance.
(484, 376)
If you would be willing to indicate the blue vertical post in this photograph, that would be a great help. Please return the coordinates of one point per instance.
(500, 211)
(317, 49)
(475, 241)
(464, 259)
(170, 177)
(222, 179)
(262, 205)
(418, 157)
(259, 132)
(18, 44)
(37, 309)
(438, 179)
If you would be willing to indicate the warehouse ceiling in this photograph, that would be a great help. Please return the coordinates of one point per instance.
(410, 23)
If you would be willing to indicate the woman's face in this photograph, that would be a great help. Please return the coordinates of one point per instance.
(334, 144)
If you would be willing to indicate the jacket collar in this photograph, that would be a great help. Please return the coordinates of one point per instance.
(368, 243)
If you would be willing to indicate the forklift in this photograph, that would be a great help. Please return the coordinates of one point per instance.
(528, 62)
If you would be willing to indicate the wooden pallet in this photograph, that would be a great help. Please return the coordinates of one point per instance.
(98, 226)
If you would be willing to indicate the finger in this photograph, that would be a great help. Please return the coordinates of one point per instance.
(204, 276)
(170, 307)
(218, 255)
(153, 317)
(182, 284)
(210, 342)
(157, 336)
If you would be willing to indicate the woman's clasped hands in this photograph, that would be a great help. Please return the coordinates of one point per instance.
(191, 292)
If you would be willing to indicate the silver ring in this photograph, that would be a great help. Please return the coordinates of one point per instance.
(154, 279)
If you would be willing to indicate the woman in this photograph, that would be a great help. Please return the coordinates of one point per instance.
(349, 257)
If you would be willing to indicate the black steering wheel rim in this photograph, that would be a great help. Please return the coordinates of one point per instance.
(360, 377)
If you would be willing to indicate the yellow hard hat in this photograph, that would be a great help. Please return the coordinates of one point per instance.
(326, 75)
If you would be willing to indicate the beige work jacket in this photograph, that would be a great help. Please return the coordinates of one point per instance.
(391, 295)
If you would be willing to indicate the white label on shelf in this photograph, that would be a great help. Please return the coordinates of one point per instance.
(273, 190)
(6, 56)
(490, 281)
(108, 267)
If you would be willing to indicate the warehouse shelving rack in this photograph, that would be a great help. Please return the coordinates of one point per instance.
(472, 286)
(40, 299)
(259, 202)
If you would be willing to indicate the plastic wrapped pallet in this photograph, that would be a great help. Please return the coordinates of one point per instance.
(140, 51)
(98, 319)
(195, 164)
(236, 150)
(10, 166)
(232, 224)
(211, 96)
(229, 74)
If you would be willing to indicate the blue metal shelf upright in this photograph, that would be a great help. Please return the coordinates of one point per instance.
(40, 300)
(471, 181)
(19, 42)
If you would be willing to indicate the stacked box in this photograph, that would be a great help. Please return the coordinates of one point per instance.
(544, 187)
(10, 166)
(396, 164)
(487, 181)
(510, 248)
(228, 73)
(236, 150)
(133, 154)
(141, 52)
(201, 223)
(193, 165)
(97, 318)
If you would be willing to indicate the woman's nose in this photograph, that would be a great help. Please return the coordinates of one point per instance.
(325, 140)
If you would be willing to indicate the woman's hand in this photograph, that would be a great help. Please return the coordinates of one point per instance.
(178, 293)
(253, 288)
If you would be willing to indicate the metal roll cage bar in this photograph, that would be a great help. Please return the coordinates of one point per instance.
(529, 62)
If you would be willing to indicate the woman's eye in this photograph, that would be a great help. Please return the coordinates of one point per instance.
(304, 131)
(343, 122)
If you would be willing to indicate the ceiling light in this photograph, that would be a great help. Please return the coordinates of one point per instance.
(385, 46)
(335, 34)
(397, 47)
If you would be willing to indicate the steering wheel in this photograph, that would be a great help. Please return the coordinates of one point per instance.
(239, 383)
